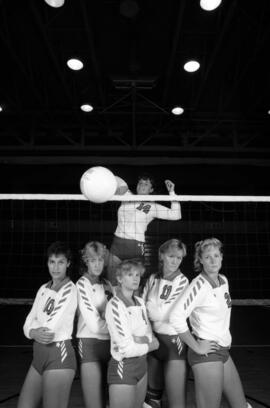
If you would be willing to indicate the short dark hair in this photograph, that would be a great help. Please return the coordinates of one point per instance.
(59, 248)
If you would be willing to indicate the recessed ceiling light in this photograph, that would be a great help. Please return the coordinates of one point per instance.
(177, 110)
(75, 64)
(87, 108)
(55, 3)
(1, 108)
(209, 5)
(191, 66)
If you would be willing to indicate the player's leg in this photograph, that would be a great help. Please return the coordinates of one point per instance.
(92, 381)
(113, 262)
(141, 391)
(208, 378)
(56, 387)
(155, 382)
(175, 374)
(232, 387)
(122, 395)
(31, 392)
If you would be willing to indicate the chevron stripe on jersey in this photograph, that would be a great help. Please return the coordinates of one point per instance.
(116, 316)
(200, 282)
(84, 294)
(183, 282)
(61, 301)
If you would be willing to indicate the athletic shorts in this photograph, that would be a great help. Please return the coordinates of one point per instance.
(91, 349)
(54, 356)
(220, 355)
(127, 248)
(128, 371)
(170, 348)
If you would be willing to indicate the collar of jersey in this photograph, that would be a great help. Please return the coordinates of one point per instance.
(212, 283)
(93, 281)
(126, 302)
(59, 286)
(172, 276)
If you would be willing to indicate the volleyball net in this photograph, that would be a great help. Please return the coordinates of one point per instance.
(30, 223)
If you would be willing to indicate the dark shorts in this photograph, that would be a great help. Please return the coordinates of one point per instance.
(54, 356)
(91, 350)
(128, 371)
(170, 348)
(220, 355)
(127, 248)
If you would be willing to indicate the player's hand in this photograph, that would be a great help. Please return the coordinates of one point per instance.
(42, 335)
(207, 346)
(170, 186)
(154, 345)
(141, 339)
(122, 186)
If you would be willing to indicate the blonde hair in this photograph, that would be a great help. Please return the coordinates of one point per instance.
(166, 247)
(200, 247)
(92, 248)
(127, 265)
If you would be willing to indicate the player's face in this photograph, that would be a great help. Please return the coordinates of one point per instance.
(144, 186)
(130, 280)
(57, 265)
(211, 259)
(171, 260)
(95, 265)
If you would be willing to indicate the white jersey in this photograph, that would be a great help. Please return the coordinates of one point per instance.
(160, 296)
(92, 301)
(134, 217)
(54, 310)
(124, 322)
(208, 307)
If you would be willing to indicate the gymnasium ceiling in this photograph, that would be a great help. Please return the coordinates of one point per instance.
(133, 53)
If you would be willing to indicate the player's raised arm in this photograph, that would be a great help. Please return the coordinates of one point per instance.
(122, 187)
(164, 213)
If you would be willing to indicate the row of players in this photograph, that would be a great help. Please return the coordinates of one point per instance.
(124, 338)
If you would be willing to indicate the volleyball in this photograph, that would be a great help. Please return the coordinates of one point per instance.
(98, 184)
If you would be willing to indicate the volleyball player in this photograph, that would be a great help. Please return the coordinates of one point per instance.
(131, 339)
(168, 362)
(133, 220)
(207, 303)
(93, 335)
(50, 325)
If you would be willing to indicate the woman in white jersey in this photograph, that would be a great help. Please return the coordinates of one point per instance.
(92, 332)
(50, 325)
(131, 339)
(161, 292)
(133, 219)
(207, 303)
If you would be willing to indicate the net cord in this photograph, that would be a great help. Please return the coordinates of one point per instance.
(137, 197)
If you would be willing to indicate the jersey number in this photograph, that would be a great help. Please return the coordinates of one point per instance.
(144, 207)
(48, 308)
(166, 292)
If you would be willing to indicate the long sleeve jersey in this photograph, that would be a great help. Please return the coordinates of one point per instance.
(160, 296)
(134, 217)
(92, 301)
(208, 307)
(54, 310)
(124, 322)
